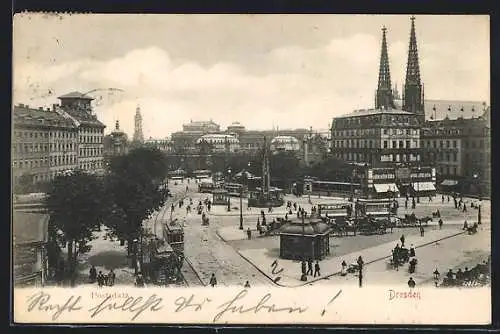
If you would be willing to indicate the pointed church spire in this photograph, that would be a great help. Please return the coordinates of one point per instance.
(384, 98)
(413, 92)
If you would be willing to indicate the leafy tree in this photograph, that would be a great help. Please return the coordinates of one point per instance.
(76, 204)
(134, 186)
(285, 166)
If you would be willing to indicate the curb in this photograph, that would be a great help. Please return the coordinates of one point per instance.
(195, 272)
(386, 257)
(338, 273)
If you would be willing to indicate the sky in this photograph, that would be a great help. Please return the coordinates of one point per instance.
(264, 71)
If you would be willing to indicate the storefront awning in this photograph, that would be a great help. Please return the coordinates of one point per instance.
(385, 187)
(423, 186)
(449, 183)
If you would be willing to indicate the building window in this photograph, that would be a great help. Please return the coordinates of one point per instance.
(441, 144)
(385, 143)
(408, 144)
(454, 144)
(394, 144)
(385, 131)
(447, 144)
(455, 156)
(455, 171)
(481, 143)
(434, 143)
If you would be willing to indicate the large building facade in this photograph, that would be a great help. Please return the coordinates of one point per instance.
(77, 107)
(460, 151)
(43, 144)
(48, 141)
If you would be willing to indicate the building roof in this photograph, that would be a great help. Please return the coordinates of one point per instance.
(29, 227)
(75, 95)
(451, 108)
(370, 112)
(201, 123)
(25, 116)
(315, 227)
(215, 136)
(84, 117)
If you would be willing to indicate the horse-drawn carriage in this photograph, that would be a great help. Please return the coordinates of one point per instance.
(373, 225)
(341, 226)
(413, 221)
(400, 256)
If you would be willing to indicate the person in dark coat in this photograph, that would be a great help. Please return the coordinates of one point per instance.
(402, 240)
(309, 267)
(440, 223)
(411, 283)
(317, 269)
(111, 278)
(213, 280)
(422, 231)
(247, 284)
(100, 279)
(304, 267)
(92, 274)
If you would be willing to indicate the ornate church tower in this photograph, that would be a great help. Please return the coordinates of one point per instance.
(384, 99)
(138, 136)
(413, 98)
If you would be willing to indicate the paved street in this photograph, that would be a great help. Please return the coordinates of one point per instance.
(223, 249)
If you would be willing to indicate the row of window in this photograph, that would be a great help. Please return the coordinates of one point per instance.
(357, 143)
(91, 151)
(45, 134)
(91, 165)
(373, 132)
(39, 147)
(450, 157)
(91, 139)
(399, 157)
(60, 160)
(365, 157)
(449, 143)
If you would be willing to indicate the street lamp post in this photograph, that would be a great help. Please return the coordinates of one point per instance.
(228, 197)
(135, 256)
(304, 274)
(241, 208)
(360, 265)
(418, 185)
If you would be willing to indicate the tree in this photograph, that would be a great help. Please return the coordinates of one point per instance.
(285, 166)
(134, 186)
(76, 204)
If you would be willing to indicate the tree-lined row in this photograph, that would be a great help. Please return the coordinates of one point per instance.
(129, 192)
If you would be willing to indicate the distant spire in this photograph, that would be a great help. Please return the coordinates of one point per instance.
(413, 91)
(138, 135)
(384, 97)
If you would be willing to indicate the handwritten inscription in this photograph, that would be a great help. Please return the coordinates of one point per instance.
(41, 301)
(235, 305)
(184, 303)
(133, 305)
(274, 265)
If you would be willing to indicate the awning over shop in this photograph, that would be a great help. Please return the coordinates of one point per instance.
(423, 186)
(385, 187)
(449, 183)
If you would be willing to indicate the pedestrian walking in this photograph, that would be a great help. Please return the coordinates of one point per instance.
(465, 208)
(139, 281)
(247, 284)
(309, 267)
(92, 274)
(402, 239)
(412, 251)
(317, 269)
(111, 278)
(249, 233)
(304, 267)
(442, 198)
(406, 204)
(100, 279)
(422, 231)
(411, 283)
(343, 271)
(213, 280)
(440, 223)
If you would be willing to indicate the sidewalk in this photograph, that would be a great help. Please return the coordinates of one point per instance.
(262, 259)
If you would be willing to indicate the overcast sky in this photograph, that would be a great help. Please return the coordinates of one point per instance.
(261, 70)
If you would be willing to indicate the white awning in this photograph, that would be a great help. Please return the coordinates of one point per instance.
(385, 187)
(423, 186)
(449, 183)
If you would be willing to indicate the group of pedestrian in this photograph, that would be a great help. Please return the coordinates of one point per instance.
(310, 266)
(100, 278)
